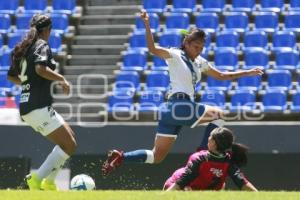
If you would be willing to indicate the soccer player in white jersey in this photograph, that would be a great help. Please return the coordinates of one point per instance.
(185, 68)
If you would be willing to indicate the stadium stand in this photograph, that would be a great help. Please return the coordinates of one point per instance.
(110, 40)
(243, 100)
(243, 6)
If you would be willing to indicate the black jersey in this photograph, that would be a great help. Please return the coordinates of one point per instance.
(35, 89)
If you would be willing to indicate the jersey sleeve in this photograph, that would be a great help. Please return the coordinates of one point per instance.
(41, 54)
(204, 65)
(237, 176)
(191, 173)
(174, 53)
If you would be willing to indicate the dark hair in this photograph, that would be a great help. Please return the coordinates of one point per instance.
(193, 35)
(38, 24)
(239, 154)
(224, 138)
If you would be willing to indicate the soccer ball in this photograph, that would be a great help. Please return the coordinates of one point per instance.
(82, 182)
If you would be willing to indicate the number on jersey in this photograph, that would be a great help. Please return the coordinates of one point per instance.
(23, 66)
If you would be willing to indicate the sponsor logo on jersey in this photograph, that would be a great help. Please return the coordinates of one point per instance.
(217, 172)
(26, 87)
(24, 97)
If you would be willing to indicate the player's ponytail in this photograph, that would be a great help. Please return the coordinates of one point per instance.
(239, 154)
(21, 48)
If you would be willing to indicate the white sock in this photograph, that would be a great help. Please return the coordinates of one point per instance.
(53, 163)
(150, 157)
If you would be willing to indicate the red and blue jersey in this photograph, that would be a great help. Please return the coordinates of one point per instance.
(207, 171)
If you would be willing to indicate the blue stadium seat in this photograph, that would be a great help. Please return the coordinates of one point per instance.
(23, 21)
(249, 83)
(153, 20)
(137, 40)
(159, 64)
(295, 106)
(64, 7)
(236, 21)
(255, 39)
(266, 21)
(5, 59)
(134, 60)
(227, 39)
(2, 96)
(284, 39)
(271, 5)
(150, 101)
(170, 39)
(279, 79)
(121, 101)
(177, 21)
(294, 5)
(184, 6)
(243, 5)
(157, 80)
(274, 101)
(207, 41)
(5, 23)
(292, 22)
(60, 23)
(157, 6)
(127, 81)
(35, 6)
(213, 6)
(4, 83)
(213, 98)
(209, 22)
(14, 39)
(214, 84)
(256, 57)
(287, 59)
(243, 100)
(9, 6)
(55, 42)
(226, 59)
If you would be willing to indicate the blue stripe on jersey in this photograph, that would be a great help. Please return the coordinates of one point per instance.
(190, 66)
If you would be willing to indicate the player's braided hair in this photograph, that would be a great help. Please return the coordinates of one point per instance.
(193, 35)
(224, 140)
(38, 24)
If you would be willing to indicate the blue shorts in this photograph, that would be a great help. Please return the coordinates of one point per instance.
(177, 113)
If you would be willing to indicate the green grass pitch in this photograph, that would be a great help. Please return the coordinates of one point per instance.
(145, 195)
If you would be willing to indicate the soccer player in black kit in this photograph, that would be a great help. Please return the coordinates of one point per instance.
(33, 68)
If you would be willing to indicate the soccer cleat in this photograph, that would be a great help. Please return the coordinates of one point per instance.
(33, 182)
(48, 185)
(114, 159)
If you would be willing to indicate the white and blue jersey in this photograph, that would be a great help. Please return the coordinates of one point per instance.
(184, 73)
(180, 109)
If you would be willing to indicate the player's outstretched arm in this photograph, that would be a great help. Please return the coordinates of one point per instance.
(233, 75)
(156, 50)
(249, 187)
(174, 186)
